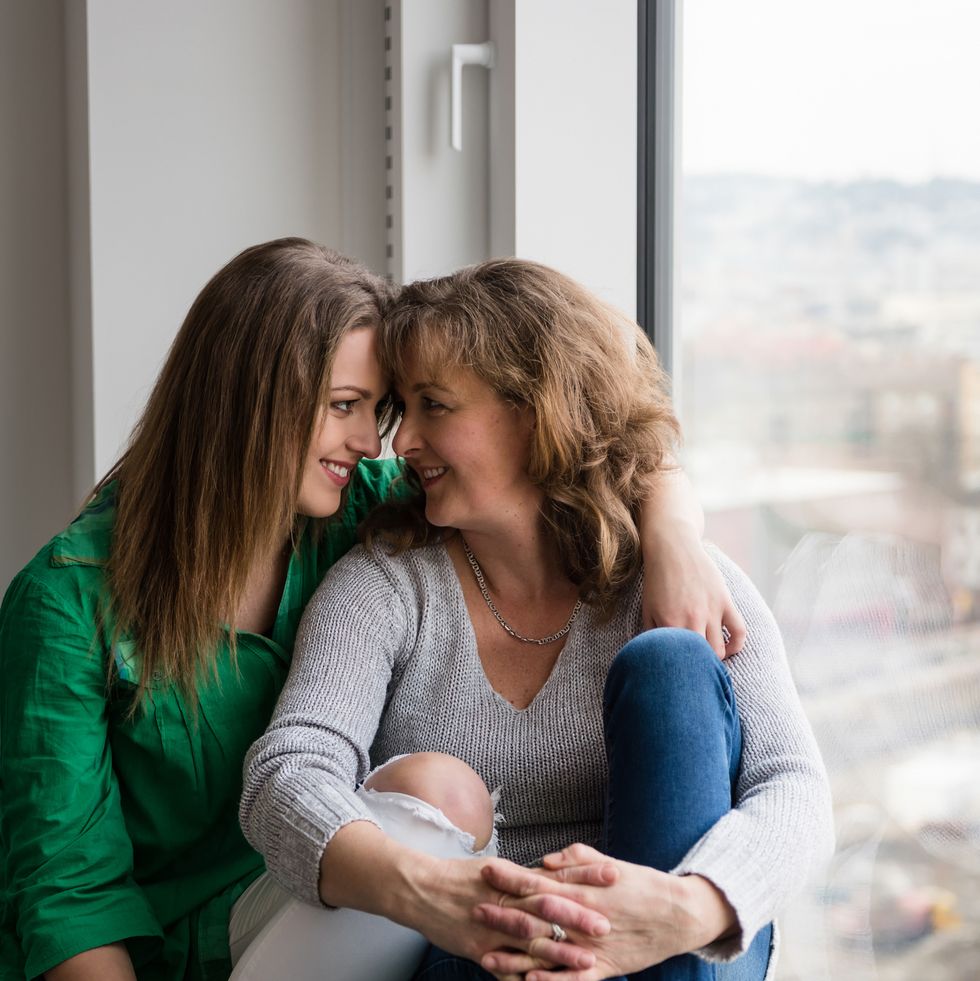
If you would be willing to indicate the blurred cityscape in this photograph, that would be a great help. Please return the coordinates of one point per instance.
(829, 388)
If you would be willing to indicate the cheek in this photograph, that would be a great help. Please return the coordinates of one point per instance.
(311, 471)
(323, 437)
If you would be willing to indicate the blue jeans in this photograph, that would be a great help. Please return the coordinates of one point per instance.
(673, 743)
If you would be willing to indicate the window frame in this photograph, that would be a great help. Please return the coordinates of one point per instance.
(658, 148)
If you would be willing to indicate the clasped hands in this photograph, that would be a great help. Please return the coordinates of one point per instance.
(619, 917)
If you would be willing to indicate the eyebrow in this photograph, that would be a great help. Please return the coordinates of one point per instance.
(430, 384)
(363, 392)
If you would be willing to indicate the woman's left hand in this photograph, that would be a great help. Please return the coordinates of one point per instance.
(653, 915)
(682, 587)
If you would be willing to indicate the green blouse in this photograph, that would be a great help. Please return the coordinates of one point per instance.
(114, 828)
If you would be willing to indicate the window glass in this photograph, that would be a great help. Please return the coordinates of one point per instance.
(828, 380)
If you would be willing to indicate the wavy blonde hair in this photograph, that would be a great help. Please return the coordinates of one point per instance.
(604, 424)
(213, 469)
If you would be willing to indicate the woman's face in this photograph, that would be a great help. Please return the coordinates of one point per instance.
(469, 447)
(347, 427)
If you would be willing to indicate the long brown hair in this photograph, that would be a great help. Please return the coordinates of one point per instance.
(603, 418)
(213, 468)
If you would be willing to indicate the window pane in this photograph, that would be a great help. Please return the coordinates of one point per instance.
(829, 386)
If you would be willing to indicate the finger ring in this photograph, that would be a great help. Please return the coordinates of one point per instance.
(726, 633)
(558, 934)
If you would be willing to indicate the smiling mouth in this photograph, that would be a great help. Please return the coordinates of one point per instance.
(430, 475)
(339, 473)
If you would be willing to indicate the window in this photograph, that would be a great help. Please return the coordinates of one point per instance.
(826, 351)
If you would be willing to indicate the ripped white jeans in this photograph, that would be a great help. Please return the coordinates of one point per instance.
(273, 935)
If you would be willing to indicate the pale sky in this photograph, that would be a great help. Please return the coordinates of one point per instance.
(832, 89)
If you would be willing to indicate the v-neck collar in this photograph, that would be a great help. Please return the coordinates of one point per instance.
(458, 599)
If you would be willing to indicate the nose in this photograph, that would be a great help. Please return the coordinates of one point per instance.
(366, 440)
(407, 439)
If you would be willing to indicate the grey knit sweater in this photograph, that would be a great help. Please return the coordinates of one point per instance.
(386, 663)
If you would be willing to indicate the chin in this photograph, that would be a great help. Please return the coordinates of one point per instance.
(436, 517)
(322, 508)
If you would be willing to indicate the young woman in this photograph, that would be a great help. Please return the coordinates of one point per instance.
(485, 641)
(143, 648)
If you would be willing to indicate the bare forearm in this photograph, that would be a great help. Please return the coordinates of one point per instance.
(363, 869)
(682, 586)
(109, 963)
(386, 890)
(671, 504)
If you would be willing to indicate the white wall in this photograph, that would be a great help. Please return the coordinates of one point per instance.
(36, 495)
(362, 139)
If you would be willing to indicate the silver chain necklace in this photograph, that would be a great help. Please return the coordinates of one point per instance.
(482, 583)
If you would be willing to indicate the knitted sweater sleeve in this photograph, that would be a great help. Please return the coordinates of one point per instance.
(300, 776)
(781, 826)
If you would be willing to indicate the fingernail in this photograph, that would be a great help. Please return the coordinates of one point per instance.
(479, 914)
(489, 962)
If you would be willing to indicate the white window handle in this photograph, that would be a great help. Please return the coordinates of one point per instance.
(464, 54)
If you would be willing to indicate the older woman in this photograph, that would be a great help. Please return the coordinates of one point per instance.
(488, 631)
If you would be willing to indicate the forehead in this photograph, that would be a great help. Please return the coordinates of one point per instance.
(458, 380)
(356, 358)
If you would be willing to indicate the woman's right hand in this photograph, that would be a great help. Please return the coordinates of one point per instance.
(654, 915)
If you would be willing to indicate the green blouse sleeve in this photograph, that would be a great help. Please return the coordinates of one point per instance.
(68, 872)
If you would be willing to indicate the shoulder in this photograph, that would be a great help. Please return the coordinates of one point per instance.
(87, 541)
(374, 602)
(376, 576)
(67, 575)
(80, 552)
(50, 634)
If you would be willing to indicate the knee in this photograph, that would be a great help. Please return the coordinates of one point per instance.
(660, 664)
(444, 782)
(659, 653)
